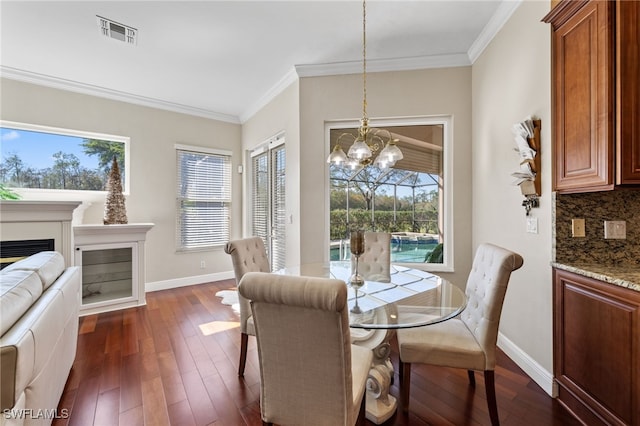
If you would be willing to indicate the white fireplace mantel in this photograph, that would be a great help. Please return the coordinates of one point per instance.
(38, 211)
(23, 220)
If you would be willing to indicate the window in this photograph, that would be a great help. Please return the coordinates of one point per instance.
(410, 200)
(47, 158)
(203, 197)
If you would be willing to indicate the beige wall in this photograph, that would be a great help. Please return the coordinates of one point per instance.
(389, 95)
(511, 80)
(153, 134)
(280, 115)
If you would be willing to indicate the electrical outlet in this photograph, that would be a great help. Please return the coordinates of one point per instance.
(532, 225)
(577, 228)
(615, 230)
(202, 264)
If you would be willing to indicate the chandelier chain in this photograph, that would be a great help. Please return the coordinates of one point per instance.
(364, 60)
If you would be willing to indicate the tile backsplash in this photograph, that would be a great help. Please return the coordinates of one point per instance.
(595, 208)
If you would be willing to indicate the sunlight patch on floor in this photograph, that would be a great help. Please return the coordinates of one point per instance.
(214, 327)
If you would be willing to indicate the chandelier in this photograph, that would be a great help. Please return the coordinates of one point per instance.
(369, 140)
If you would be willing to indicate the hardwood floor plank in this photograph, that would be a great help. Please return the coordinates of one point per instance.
(132, 417)
(84, 407)
(130, 383)
(108, 408)
(154, 404)
(174, 362)
(110, 375)
(203, 410)
(173, 388)
(225, 403)
(87, 324)
(180, 414)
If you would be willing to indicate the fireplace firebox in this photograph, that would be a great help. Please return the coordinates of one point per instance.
(12, 251)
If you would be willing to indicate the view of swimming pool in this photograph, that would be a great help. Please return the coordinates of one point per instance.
(403, 250)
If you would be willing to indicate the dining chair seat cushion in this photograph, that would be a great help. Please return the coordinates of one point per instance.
(250, 327)
(449, 344)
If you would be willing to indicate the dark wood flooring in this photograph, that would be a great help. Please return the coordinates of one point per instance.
(174, 362)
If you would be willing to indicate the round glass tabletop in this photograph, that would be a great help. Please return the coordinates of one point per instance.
(413, 298)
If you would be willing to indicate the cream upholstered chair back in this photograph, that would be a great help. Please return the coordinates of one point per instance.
(469, 340)
(486, 288)
(247, 255)
(375, 263)
(304, 349)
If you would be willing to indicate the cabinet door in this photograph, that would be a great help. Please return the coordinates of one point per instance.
(596, 353)
(628, 90)
(109, 276)
(583, 99)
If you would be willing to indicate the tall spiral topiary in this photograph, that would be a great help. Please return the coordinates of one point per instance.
(115, 211)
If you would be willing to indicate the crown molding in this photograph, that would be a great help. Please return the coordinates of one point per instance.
(495, 24)
(289, 78)
(384, 65)
(88, 89)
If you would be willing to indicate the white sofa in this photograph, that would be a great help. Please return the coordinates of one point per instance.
(39, 302)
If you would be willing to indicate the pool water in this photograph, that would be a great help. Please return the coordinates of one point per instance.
(404, 251)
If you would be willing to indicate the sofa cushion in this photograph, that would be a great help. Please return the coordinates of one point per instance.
(18, 291)
(47, 264)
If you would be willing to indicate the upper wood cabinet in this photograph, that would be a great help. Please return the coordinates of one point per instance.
(595, 94)
(628, 91)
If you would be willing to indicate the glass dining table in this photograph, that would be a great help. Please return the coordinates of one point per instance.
(412, 298)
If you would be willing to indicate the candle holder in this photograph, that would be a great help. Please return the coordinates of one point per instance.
(356, 281)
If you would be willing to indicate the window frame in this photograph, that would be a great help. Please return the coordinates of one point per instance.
(68, 194)
(446, 121)
(226, 202)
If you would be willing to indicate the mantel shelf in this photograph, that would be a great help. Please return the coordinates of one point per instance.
(85, 234)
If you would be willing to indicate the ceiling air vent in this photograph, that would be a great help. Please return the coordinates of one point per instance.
(111, 29)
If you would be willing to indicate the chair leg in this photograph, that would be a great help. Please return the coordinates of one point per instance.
(405, 385)
(490, 388)
(472, 378)
(244, 340)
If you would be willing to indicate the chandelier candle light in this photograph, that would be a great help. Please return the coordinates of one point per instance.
(369, 140)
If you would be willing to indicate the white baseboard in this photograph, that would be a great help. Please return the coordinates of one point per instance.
(534, 370)
(186, 281)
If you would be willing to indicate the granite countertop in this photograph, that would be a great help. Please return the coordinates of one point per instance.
(625, 275)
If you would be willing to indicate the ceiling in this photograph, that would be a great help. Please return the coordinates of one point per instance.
(226, 59)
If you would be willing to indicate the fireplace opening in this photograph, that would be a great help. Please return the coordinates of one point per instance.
(12, 251)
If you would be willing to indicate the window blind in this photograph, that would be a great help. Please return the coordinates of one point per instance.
(279, 213)
(203, 198)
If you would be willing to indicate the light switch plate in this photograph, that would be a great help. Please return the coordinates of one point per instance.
(532, 225)
(577, 228)
(615, 229)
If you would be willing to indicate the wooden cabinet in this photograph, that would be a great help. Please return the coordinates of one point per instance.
(595, 95)
(628, 91)
(597, 349)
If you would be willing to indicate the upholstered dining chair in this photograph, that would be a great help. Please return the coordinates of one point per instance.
(310, 373)
(375, 263)
(247, 255)
(469, 340)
